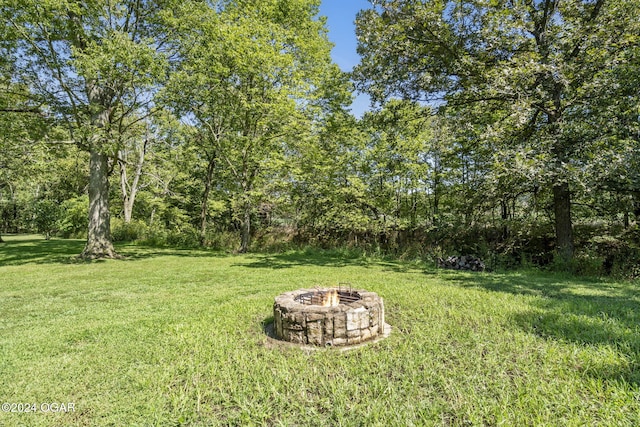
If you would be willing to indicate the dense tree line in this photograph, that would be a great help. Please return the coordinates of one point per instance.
(504, 129)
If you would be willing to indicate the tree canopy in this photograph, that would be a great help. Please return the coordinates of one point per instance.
(549, 73)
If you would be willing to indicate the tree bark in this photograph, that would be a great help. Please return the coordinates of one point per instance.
(504, 214)
(127, 197)
(248, 175)
(99, 243)
(129, 194)
(563, 226)
(127, 208)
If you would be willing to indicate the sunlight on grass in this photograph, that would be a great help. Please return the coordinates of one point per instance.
(171, 337)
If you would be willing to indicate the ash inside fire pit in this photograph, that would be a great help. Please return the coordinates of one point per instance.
(328, 317)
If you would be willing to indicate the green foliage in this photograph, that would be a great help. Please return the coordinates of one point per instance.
(46, 217)
(185, 236)
(248, 141)
(252, 67)
(73, 218)
(128, 232)
(89, 59)
(95, 66)
(619, 253)
(540, 90)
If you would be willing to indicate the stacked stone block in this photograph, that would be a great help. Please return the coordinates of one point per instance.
(345, 324)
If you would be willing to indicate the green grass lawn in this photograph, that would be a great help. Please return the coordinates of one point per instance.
(172, 337)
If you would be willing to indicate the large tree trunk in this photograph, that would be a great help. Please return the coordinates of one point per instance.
(99, 243)
(564, 229)
(561, 191)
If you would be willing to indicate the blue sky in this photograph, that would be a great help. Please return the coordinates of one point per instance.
(341, 15)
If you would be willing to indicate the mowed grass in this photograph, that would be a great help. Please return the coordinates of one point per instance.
(170, 337)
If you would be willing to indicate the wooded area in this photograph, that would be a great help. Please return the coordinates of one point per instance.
(506, 130)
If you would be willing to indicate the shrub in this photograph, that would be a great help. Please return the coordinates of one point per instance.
(620, 255)
(155, 236)
(46, 216)
(73, 217)
(128, 232)
(186, 236)
(223, 240)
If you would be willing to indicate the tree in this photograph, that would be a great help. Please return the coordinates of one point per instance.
(541, 66)
(247, 70)
(94, 65)
(327, 185)
(402, 158)
(132, 155)
(22, 153)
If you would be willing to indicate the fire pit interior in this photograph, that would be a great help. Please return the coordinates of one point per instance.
(328, 317)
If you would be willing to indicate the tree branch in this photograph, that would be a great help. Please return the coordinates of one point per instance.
(592, 17)
(32, 110)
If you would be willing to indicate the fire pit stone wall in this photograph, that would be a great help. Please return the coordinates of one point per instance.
(347, 323)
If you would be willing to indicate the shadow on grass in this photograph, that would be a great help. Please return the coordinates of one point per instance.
(18, 250)
(296, 259)
(32, 249)
(588, 312)
(321, 258)
(138, 252)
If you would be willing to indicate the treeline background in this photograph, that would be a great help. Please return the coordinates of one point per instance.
(229, 127)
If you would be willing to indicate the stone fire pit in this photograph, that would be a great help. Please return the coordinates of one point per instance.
(329, 317)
